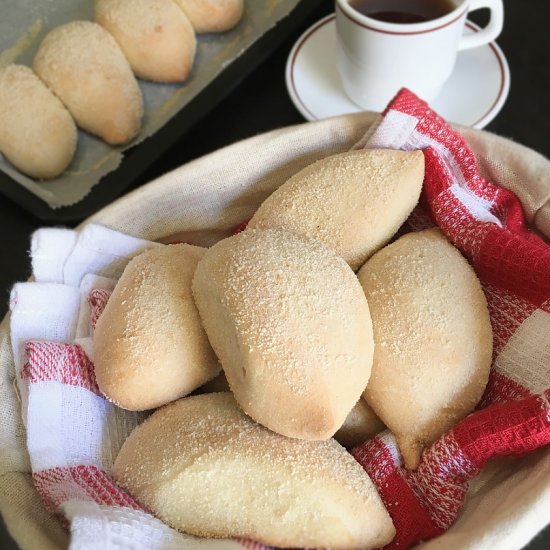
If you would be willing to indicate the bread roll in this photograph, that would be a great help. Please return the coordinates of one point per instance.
(360, 425)
(149, 345)
(155, 35)
(353, 202)
(84, 66)
(37, 134)
(218, 384)
(203, 467)
(212, 15)
(291, 327)
(433, 339)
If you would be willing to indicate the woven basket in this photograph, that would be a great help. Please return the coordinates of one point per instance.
(204, 201)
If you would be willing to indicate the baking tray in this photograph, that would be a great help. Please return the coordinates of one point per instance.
(143, 156)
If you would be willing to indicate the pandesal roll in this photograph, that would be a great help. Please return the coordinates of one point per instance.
(354, 202)
(205, 468)
(360, 425)
(156, 36)
(149, 345)
(37, 133)
(84, 66)
(212, 15)
(433, 338)
(291, 327)
(217, 384)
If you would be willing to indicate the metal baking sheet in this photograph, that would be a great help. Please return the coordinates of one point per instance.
(24, 23)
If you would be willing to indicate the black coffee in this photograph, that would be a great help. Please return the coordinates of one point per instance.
(403, 11)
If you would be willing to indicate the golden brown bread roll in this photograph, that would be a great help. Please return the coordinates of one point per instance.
(433, 338)
(360, 425)
(149, 345)
(291, 327)
(212, 15)
(205, 468)
(156, 36)
(84, 66)
(217, 384)
(37, 134)
(354, 202)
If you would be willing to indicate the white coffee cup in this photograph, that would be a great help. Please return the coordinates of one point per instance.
(377, 58)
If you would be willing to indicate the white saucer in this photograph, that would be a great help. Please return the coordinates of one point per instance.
(474, 94)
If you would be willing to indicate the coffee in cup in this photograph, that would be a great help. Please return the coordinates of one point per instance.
(384, 45)
(403, 11)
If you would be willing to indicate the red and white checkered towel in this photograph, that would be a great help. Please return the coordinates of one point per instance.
(74, 434)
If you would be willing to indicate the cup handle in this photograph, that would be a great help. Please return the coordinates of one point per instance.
(491, 31)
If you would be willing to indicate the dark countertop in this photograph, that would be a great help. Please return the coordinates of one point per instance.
(260, 103)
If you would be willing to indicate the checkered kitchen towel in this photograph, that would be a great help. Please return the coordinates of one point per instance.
(74, 434)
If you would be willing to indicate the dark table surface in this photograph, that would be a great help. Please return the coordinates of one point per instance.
(259, 102)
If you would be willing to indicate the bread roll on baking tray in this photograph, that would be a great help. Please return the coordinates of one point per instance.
(360, 425)
(155, 35)
(205, 468)
(354, 202)
(84, 66)
(291, 327)
(433, 338)
(37, 134)
(212, 15)
(149, 345)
